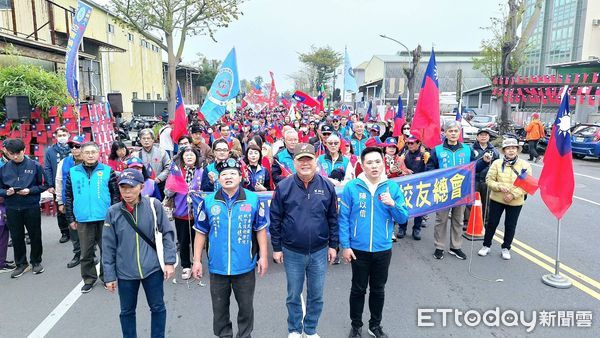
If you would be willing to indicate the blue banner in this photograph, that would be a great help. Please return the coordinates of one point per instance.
(225, 87)
(80, 22)
(349, 80)
(424, 193)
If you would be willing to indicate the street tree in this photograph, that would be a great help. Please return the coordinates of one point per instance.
(324, 60)
(207, 70)
(174, 21)
(409, 72)
(504, 52)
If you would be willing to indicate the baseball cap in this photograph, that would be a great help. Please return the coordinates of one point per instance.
(304, 150)
(76, 140)
(375, 127)
(390, 142)
(131, 177)
(229, 163)
(134, 162)
(412, 138)
(326, 128)
(195, 129)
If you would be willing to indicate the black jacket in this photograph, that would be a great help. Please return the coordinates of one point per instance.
(303, 219)
(27, 174)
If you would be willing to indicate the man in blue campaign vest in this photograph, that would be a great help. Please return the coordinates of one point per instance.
(358, 139)
(283, 162)
(449, 154)
(369, 207)
(234, 222)
(90, 189)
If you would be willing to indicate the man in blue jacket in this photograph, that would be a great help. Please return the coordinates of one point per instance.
(304, 235)
(129, 260)
(235, 224)
(55, 154)
(90, 189)
(21, 183)
(369, 207)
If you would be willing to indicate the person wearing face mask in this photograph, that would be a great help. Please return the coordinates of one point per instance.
(55, 154)
(505, 197)
(370, 204)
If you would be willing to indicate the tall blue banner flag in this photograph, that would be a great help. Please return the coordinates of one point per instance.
(349, 80)
(80, 22)
(225, 87)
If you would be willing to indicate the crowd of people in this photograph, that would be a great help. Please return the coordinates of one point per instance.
(143, 227)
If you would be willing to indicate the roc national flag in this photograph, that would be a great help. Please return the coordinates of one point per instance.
(426, 122)
(557, 181)
(399, 119)
(180, 121)
(225, 87)
(349, 79)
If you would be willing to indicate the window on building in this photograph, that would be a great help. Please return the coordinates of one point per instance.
(134, 96)
(5, 4)
(158, 97)
(111, 28)
(148, 96)
(130, 37)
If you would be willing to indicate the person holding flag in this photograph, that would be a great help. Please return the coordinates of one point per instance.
(505, 196)
(221, 152)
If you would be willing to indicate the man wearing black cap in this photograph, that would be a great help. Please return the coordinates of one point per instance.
(304, 235)
(129, 254)
(233, 220)
(319, 141)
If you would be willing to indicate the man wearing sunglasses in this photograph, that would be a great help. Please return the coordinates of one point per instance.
(62, 172)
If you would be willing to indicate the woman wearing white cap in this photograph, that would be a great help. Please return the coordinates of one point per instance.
(505, 197)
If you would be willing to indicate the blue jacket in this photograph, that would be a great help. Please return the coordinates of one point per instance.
(258, 174)
(304, 219)
(482, 167)
(68, 163)
(53, 155)
(366, 223)
(90, 191)
(324, 162)
(27, 174)
(125, 255)
(282, 158)
(358, 145)
(231, 226)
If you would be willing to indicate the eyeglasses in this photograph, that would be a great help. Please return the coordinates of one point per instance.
(75, 146)
(411, 143)
(406, 128)
(221, 150)
(333, 143)
(90, 152)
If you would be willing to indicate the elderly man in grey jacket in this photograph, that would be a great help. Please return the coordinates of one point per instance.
(154, 158)
(130, 255)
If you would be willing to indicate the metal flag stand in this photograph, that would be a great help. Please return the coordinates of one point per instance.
(556, 279)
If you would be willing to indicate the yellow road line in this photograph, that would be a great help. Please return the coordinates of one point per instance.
(550, 260)
(550, 269)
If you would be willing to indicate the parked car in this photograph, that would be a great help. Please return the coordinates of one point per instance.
(585, 140)
(469, 132)
(485, 121)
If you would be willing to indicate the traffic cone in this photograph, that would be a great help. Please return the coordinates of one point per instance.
(475, 228)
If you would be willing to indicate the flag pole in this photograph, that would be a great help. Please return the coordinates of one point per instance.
(556, 279)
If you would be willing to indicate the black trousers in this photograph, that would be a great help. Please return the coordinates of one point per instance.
(90, 235)
(17, 221)
(510, 223)
(185, 237)
(532, 149)
(61, 219)
(369, 269)
(220, 293)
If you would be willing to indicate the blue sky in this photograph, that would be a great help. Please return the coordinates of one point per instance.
(271, 33)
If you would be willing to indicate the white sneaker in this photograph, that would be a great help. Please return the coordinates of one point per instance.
(312, 335)
(186, 274)
(484, 251)
(505, 254)
(294, 335)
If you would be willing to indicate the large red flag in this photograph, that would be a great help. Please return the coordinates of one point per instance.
(399, 119)
(306, 99)
(180, 121)
(426, 122)
(557, 181)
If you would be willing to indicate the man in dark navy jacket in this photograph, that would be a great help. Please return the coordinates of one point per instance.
(304, 235)
(21, 183)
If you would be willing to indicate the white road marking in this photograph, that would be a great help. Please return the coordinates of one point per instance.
(586, 200)
(59, 311)
(48, 323)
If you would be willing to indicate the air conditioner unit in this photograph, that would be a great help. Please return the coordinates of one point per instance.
(596, 22)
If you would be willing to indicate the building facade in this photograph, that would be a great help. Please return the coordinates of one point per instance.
(112, 58)
(567, 30)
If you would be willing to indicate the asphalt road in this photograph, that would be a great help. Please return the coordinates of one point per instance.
(416, 281)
